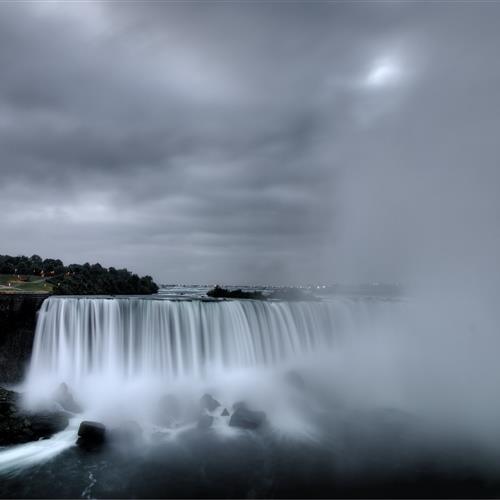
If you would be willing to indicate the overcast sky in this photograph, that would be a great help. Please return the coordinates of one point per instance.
(251, 142)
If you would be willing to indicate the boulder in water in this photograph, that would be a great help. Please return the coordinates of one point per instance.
(91, 435)
(225, 413)
(205, 421)
(20, 426)
(45, 424)
(207, 402)
(65, 399)
(247, 419)
(240, 404)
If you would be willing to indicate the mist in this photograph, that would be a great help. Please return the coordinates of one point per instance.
(418, 203)
(266, 144)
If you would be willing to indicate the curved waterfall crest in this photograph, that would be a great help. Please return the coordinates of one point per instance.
(130, 337)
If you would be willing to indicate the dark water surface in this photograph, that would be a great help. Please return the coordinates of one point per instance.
(391, 412)
(365, 455)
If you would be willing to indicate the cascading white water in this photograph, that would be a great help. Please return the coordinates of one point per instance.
(131, 337)
(120, 355)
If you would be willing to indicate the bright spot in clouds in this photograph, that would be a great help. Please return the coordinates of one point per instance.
(382, 73)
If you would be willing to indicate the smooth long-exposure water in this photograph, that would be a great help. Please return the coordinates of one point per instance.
(345, 416)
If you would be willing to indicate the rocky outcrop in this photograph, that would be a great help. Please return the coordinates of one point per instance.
(240, 404)
(64, 397)
(18, 313)
(208, 402)
(91, 435)
(247, 419)
(20, 426)
(205, 421)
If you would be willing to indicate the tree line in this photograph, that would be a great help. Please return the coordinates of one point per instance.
(288, 294)
(78, 279)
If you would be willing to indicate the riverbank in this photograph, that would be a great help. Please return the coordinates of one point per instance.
(18, 425)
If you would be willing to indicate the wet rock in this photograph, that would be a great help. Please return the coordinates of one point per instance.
(9, 398)
(45, 424)
(247, 419)
(225, 413)
(205, 421)
(240, 404)
(65, 399)
(20, 426)
(18, 313)
(207, 402)
(91, 435)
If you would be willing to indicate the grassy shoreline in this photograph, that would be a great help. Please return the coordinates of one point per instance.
(13, 284)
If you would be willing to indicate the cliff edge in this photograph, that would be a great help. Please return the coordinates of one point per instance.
(18, 314)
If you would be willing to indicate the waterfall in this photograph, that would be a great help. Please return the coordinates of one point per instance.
(131, 337)
(120, 355)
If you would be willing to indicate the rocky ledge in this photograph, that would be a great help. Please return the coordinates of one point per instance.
(20, 426)
(18, 315)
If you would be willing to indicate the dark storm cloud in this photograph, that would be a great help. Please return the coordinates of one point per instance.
(246, 141)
